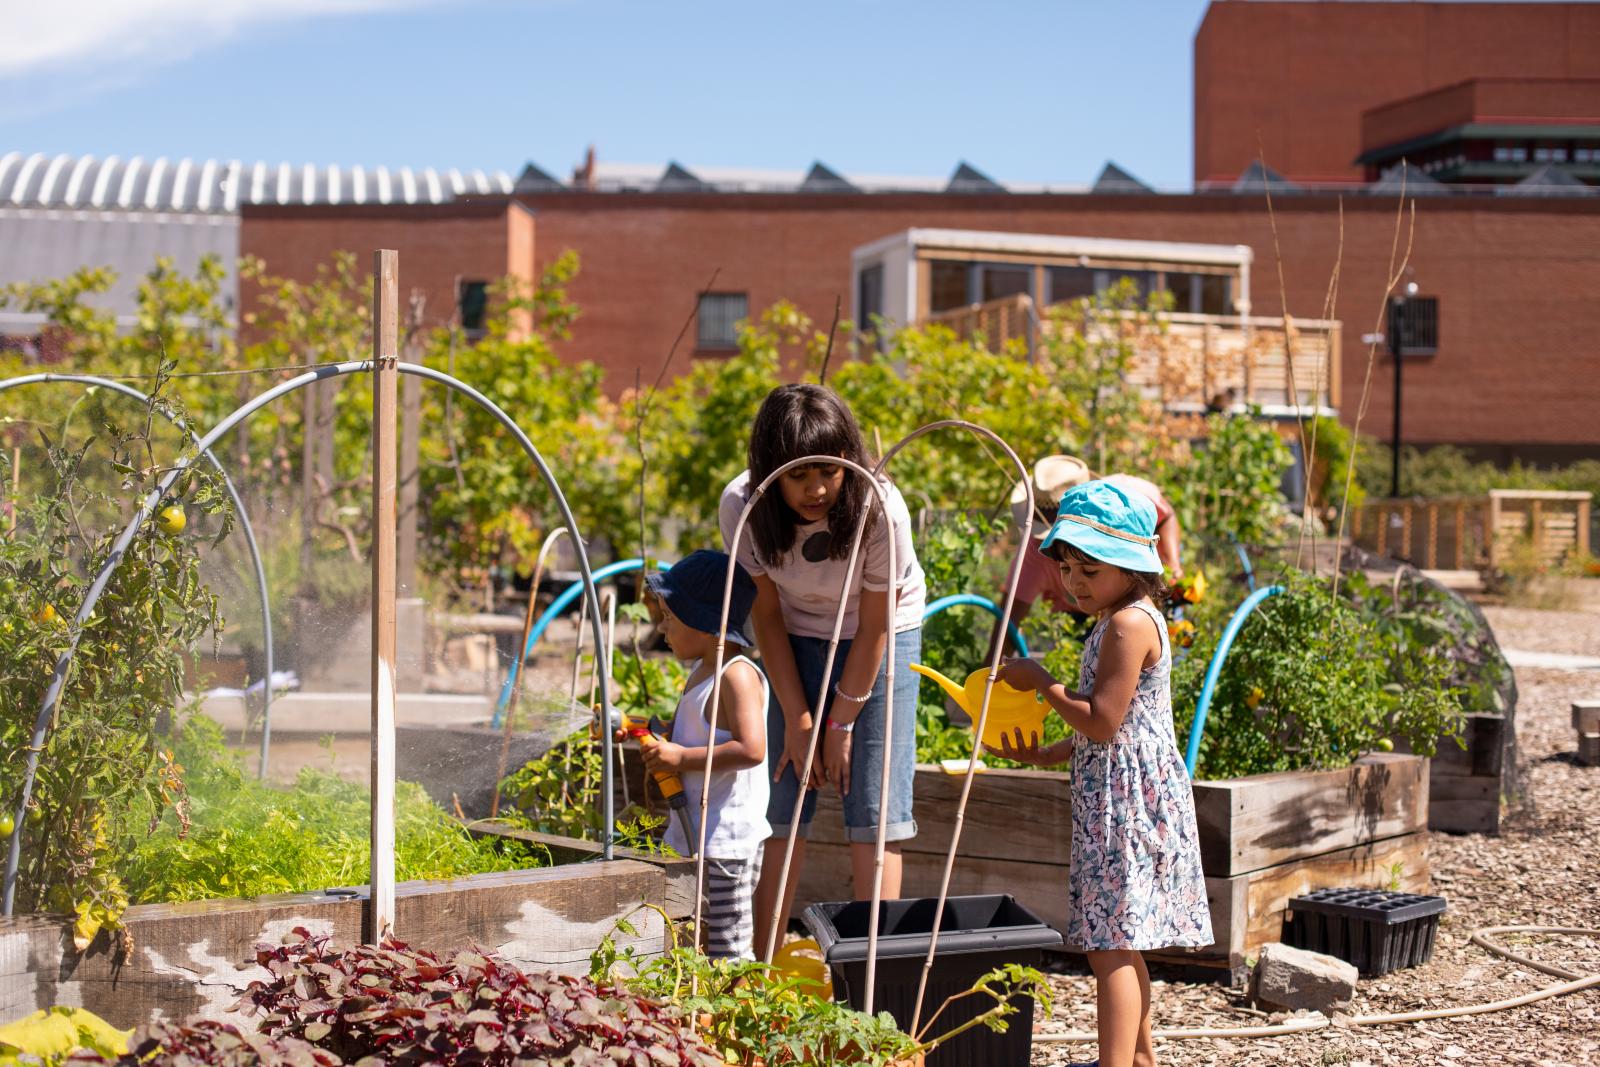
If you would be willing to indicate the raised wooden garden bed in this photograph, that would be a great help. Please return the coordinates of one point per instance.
(1264, 839)
(197, 956)
(1468, 786)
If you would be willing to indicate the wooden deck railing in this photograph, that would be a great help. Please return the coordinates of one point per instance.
(1475, 532)
(1187, 360)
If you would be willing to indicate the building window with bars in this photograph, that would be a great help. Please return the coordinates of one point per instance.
(716, 325)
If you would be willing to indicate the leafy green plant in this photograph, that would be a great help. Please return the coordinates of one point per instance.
(1228, 489)
(50, 1036)
(243, 837)
(752, 1014)
(105, 776)
(1413, 612)
(1312, 683)
(959, 554)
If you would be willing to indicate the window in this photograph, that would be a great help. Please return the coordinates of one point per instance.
(1216, 294)
(1199, 294)
(948, 286)
(717, 323)
(1070, 283)
(472, 304)
(869, 295)
(1002, 281)
(1184, 288)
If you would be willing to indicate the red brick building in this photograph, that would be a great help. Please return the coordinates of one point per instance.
(1515, 277)
(1292, 80)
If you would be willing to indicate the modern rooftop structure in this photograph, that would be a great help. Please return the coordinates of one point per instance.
(61, 213)
(212, 186)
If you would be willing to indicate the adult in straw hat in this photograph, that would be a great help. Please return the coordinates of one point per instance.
(1041, 577)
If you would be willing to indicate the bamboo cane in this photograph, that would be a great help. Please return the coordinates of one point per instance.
(521, 662)
(1024, 540)
(882, 497)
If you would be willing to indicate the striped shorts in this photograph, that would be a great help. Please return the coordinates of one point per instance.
(730, 907)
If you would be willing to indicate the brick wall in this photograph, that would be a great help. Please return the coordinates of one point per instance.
(1291, 80)
(1519, 360)
(439, 244)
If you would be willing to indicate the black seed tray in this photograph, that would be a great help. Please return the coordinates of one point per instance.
(1377, 930)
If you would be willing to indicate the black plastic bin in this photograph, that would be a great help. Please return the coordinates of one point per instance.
(976, 934)
(1376, 929)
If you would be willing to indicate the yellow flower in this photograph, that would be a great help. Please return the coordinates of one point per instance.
(1181, 632)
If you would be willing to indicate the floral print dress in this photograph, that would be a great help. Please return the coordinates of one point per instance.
(1136, 881)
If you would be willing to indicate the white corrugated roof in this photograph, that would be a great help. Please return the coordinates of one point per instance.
(213, 187)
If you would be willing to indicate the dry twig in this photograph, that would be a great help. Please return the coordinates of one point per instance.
(1372, 357)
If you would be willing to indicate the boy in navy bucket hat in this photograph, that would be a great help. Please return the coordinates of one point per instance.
(686, 603)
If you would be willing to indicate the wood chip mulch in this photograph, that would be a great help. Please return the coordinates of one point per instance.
(1543, 869)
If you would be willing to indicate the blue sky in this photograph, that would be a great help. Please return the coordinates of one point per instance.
(1029, 91)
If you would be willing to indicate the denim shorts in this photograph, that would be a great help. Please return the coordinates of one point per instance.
(866, 749)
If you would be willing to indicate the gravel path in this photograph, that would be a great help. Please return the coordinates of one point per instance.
(1544, 869)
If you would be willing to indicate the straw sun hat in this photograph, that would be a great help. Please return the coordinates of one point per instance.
(1052, 476)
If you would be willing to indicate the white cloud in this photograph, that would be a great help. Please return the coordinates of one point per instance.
(38, 36)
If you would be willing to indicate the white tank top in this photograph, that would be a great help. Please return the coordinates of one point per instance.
(737, 810)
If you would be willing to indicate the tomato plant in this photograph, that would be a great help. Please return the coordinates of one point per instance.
(105, 774)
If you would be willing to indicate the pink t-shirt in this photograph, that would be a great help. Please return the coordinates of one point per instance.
(1041, 575)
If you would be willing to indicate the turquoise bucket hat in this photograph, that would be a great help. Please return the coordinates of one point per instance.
(1108, 523)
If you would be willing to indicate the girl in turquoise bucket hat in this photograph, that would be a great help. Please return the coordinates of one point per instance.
(1135, 882)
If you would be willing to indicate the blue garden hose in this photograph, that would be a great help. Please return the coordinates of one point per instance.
(560, 604)
(1214, 670)
(1244, 560)
(945, 603)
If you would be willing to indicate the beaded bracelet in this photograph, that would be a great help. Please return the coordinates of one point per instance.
(840, 694)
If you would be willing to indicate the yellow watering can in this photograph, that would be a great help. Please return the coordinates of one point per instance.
(802, 959)
(1009, 709)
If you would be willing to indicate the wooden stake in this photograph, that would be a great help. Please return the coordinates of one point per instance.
(385, 395)
(16, 481)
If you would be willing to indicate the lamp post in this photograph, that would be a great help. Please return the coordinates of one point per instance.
(1397, 307)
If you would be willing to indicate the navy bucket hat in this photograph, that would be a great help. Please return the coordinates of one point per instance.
(692, 590)
(1103, 520)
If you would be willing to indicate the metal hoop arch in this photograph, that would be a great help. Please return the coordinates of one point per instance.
(238, 506)
(988, 685)
(147, 508)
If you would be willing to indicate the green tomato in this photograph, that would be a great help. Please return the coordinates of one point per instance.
(1383, 744)
(8, 825)
(35, 816)
(171, 520)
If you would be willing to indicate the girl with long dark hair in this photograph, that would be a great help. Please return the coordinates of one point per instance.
(797, 547)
